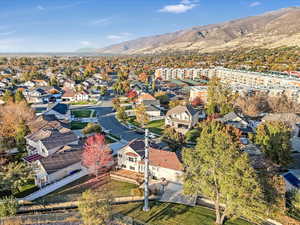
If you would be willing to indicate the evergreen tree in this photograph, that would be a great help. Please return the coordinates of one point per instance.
(217, 169)
(274, 140)
(19, 96)
(8, 96)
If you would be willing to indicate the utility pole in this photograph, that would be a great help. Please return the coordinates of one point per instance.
(146, 174)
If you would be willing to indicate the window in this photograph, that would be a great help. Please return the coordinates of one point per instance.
(120, 155)
(131, 159)
(132, 167)
(123, 166)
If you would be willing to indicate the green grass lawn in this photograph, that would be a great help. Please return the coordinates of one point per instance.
(26, 189)
(73, 191)
(172, 214)
(84, 113)
(84, 103)
(157, 126)
(77, 125)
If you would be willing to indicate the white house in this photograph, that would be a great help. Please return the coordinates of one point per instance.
(182, 118)
(162, 164)
(64, 162)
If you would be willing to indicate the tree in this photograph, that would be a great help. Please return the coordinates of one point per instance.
(219, 98)
(19, 96)
(14, 175)
(141, 115)
(92, 128)
(162, 97)
(97, 156)
(96, 207)
(176, 102)
(175, 138)
(196, 101)
(132, 94)
(143, 77)
(116, 103)
(273, 138)
(8, 207)
(121, 114)
(8, 96)
(217, 169)
(103, 90)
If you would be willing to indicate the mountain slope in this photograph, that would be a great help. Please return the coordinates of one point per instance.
(272, 29)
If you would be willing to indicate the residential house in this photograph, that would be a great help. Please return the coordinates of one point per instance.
(61, 111)
(64, 162)
(82, 96)
(145, 97)
(182, 118)
(152, 108)
(68, 95)
(236, 121)
(293, 120)
(162, 164)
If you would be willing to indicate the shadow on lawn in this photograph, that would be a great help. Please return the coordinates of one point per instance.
(168, 212)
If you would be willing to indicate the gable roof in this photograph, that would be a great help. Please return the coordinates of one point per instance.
(46, 121)
(60, 108)
(68, 156)
(53, 137)
(146, 96)
(182, 108)
(138, 145)
(165, 159)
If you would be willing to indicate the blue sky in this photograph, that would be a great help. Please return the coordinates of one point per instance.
(67, 25)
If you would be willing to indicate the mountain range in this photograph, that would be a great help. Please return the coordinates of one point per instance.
(272, 29)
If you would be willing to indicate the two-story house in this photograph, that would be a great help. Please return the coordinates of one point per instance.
(61, 111)
(162, 164)
(182, 118)
(64, 162)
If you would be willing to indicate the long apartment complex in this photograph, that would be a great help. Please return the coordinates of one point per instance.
(240, 80)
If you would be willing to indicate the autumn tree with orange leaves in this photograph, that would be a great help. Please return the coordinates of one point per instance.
(97, 156)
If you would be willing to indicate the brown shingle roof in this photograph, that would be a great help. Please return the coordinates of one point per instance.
(165, 159)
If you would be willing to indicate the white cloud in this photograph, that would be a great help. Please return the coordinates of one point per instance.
(253, 4)
(182, 7)
(120, 36)
(39, 7)
(85, 43)
(7, 33)
(102, 21)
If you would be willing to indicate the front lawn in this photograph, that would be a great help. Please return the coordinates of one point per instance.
(84, 113)
(93, 102)
(26, 189)
(156, 126)
(77, 125)
(172, 214)
(73, 191)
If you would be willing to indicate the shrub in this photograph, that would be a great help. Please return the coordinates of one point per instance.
(8, 207)
(137, 192)
(92, 128)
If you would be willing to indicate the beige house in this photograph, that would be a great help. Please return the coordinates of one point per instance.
(64, 162)
(182, 118)
(162, 164)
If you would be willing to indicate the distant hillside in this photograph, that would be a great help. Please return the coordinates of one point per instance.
(272, 29)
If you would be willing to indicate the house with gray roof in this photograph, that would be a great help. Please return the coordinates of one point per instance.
(64, 162)
(182, 118)
(61, 111)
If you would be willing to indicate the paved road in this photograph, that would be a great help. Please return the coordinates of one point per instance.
(108, 121)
